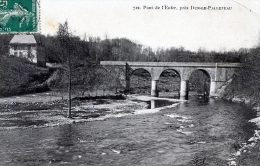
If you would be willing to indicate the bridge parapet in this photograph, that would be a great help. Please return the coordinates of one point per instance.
(171, 64)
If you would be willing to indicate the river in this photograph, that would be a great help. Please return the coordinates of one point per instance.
(197, 132)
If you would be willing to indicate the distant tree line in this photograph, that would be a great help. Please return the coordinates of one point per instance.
(122, 49)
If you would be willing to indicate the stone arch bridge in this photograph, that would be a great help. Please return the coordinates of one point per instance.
(219, 73)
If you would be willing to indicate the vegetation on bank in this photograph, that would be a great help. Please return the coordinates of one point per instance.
(18, 76)
(246, 82)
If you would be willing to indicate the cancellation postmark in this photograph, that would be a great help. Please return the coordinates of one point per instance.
(19, 16)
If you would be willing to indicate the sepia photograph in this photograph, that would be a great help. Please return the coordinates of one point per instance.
(130, 82)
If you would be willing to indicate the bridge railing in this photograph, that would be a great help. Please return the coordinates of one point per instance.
(170, 64)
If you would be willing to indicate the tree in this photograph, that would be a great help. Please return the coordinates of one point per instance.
(66, 49)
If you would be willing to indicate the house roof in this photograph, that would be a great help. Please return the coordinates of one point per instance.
(23, 39)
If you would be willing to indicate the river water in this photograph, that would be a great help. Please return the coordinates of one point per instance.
(197, 132)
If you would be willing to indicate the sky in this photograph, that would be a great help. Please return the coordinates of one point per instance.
(218, 30)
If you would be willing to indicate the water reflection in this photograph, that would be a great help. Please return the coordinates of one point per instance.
(66, 136)
(153, 104)
(184, 97)
(66, 144)
(159, 103)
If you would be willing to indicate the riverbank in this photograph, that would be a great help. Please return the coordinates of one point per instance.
(49, 109)
(45, 109)
(247, 153)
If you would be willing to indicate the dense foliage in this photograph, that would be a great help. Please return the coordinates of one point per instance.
(246, 83)
(122, 49)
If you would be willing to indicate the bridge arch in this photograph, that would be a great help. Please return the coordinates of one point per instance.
(169, 82)
(140, 68)
(200, 81)
(139, 81)
(172, 69)
(208, 73)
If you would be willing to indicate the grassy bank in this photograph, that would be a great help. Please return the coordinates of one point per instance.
(18, 76)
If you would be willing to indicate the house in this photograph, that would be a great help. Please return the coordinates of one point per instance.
(24, 46)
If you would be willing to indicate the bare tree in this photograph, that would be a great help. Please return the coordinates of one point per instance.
(66, 46)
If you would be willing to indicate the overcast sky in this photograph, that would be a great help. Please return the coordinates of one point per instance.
(192, 29)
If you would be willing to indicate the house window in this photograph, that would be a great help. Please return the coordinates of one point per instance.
(23, 47)
(15, 47)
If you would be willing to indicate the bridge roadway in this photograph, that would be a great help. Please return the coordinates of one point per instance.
(219, 73)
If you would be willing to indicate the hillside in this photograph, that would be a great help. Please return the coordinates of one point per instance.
(18, 76)
(245, 85)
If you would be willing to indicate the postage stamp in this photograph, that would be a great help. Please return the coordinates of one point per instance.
(19, 16)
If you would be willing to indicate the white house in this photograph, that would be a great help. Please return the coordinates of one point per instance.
(24, 46)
